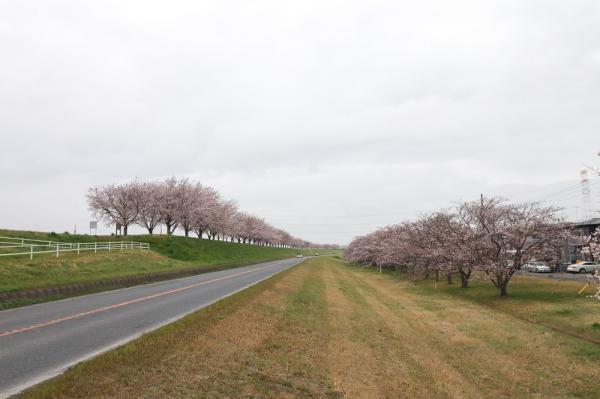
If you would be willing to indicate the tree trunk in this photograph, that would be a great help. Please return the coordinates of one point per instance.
(464, 278)
(125, 229)
(502, 285)
(150, 230)
(464, 282)
(449, 278)
(502, 289)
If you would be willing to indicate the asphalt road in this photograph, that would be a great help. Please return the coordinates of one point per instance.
(40, 341)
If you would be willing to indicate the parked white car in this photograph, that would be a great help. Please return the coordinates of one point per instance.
(299, 256)
(583, 267)
(537, 267)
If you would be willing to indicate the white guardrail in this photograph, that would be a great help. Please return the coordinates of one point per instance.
(11, 246)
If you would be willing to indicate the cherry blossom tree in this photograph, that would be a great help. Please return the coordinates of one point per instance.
(595, 280)
(201, 213)
(248, 228)
(451, 236)
(442, 237)
(189, 198)
(116, 203)
(489, 235)
(510, 235)
(149, 215)
(593, 247)
(169, 203)
(190, 206)
(592, 244)
(221, 219)
(362, 250)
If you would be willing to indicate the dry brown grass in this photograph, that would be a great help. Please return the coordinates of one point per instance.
(323, 329)
(469, 350)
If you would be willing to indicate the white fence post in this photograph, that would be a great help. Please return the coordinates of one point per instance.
(58, 247)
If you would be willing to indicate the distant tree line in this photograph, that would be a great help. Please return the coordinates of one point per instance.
(189, 206)
(491, 235)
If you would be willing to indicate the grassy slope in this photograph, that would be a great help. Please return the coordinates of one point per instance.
(553, 303)
(175, 247)
(323, 329)
(167, 254)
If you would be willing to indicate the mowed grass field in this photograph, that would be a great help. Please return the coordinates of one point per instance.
(323, 329)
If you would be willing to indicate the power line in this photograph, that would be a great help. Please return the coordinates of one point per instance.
(572, 193)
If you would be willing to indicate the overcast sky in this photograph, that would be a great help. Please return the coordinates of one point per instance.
(328, 118)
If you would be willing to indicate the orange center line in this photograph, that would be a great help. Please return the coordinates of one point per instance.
(122, 304)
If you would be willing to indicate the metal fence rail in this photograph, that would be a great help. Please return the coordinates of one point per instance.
(11, 246)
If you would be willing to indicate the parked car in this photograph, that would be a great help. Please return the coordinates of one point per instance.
(299, 256)
(583, 267)
(537, 267)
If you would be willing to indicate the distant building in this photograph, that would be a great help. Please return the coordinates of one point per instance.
(586, 227)
(581, 230)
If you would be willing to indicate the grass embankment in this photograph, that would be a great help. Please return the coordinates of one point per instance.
(553, 303)
(324, 329)
(167, 253)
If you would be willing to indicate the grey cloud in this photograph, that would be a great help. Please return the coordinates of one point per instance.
(315, 112)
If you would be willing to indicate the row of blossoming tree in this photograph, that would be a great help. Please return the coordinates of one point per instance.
(491, 235)
(189, 206)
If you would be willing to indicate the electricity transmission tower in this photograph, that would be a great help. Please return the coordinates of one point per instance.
(586, 195)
